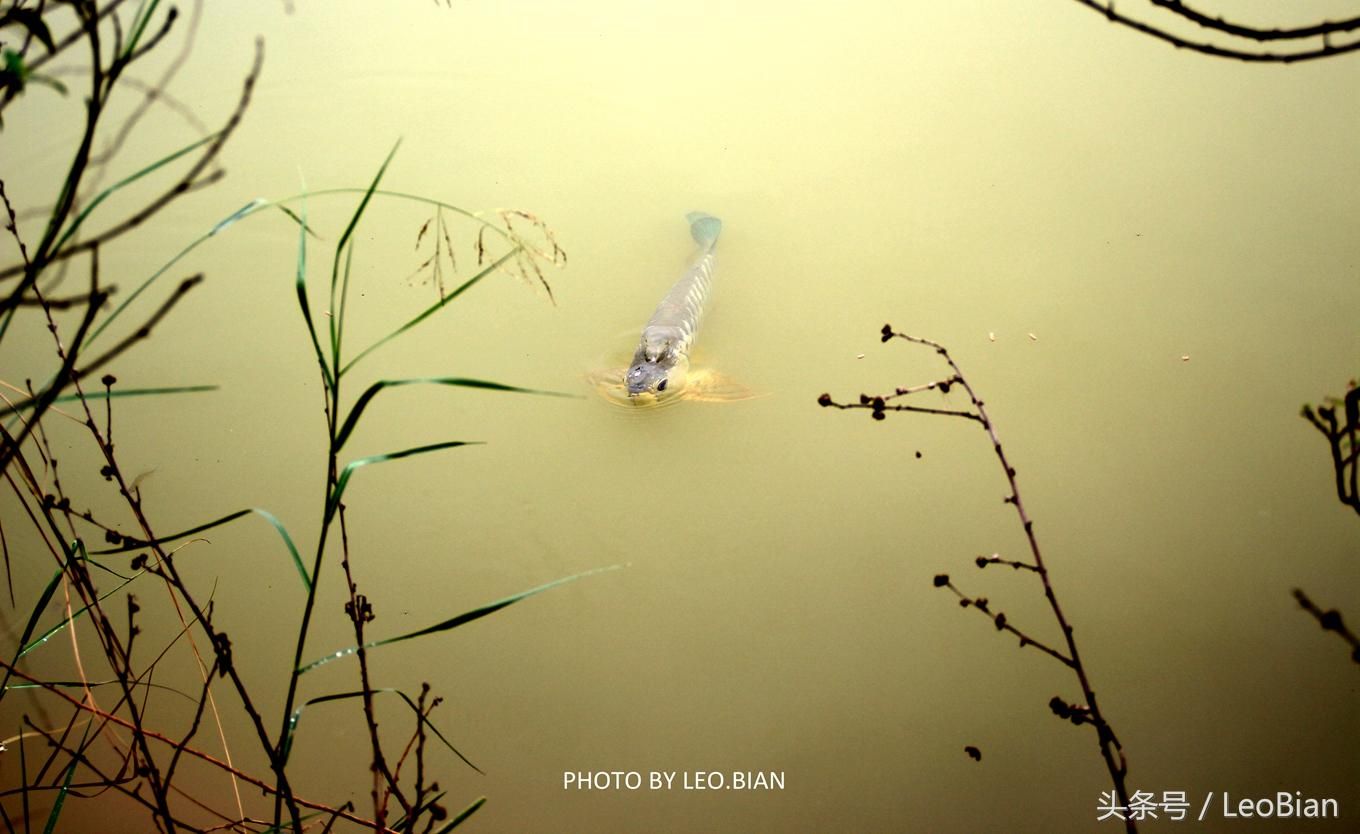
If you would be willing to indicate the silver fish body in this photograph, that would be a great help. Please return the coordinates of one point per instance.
(661, 361)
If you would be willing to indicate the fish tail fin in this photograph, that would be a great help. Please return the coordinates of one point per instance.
(704, 228)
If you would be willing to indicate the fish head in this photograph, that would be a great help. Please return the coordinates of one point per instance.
(646, 377)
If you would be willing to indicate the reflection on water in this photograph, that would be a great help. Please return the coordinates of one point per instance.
(972, 179)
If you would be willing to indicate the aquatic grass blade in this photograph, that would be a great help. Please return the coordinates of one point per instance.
(301, 284)
(339, 696)
(339, 317)
(345, 474)
(461, 619)
(139, 21)
(52, 816)
(27, 647)
(292, 215)
(352, 419)
(82, 684)
(126, 181)
(241, 213)
(32, 625)
(337, 323)
(138, 544)
(434, 308)
(463, 815)
(245, 211)
(109, 395)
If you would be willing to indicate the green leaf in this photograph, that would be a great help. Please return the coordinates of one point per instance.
(13, 73)
(462, 817)
(61, 798)
(25, 405)
(33, 617)
(139, 22)
(241, 213)
(461, 619)
(126, 181)
(137, 544)
(297, 715)
(292, 215)
(364, 399)
(82, 684)
(337, 310)
(138, 392)
(301, 279)
(343, 481)
(54, 630)
(433, 308)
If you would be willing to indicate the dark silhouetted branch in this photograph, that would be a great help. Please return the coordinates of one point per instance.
(1323, 30)
(1111, 751)
(1330, 621)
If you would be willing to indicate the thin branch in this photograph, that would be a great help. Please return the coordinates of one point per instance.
(1327, 50)
(190, 181)
(1330, 621)
(1312, 30)
(1110, 749)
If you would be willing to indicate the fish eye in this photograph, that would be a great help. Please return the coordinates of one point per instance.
(661, 386)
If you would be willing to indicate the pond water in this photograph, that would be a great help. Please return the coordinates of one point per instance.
(1143, 260)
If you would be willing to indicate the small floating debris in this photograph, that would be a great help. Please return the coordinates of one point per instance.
(1033, 338)
(859, 356)
(1185, 357)
(991, 337)
(973, 753)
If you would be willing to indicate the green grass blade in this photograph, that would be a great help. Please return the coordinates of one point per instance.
(288, 542)
(337, 325)
(434, 308)
(461, 619)
(462, 816)
(241, 213)
(138, 392)
(33, 618)
(56, 629)
(126, 181)
(61, 798)
(364, 399)
(292, 215)
(344, 303)
(326, 375)
(138, 544)
(81, 684)
(415, 708)
(343, 481)
(130, 543)
(139, 22)
(107, 395)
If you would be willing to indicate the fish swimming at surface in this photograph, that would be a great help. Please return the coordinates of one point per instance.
(661, 361)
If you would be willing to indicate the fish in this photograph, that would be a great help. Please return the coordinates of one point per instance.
(661, 361)
(660, 370)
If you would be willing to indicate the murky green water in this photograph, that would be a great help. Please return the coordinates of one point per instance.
(1145, 262)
